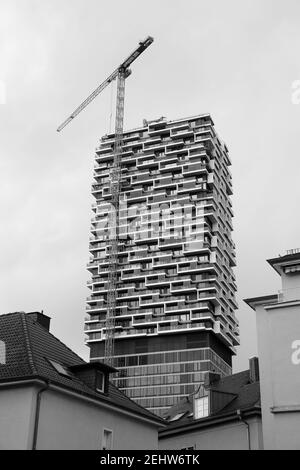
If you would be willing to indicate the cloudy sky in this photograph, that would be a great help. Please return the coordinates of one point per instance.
(236, 59)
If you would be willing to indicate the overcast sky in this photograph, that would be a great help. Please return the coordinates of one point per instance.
(234, 59)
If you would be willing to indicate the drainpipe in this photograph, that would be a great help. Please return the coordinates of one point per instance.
(37, 413)
(239, 413)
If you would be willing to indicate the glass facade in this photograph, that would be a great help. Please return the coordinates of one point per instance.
(158, 380)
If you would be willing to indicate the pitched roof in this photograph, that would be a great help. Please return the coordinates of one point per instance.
(245, 396)
(30, 347)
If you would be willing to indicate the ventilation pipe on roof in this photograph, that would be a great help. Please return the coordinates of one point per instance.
(254, 369)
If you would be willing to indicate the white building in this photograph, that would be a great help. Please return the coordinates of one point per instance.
(51, 399)
(278, 333)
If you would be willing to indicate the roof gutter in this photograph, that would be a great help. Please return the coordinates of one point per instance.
(37, 413)
(206, 422)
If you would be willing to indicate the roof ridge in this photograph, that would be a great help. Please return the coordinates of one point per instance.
(28, 343)
(18, 312)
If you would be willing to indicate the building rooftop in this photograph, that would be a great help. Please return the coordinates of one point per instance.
(264, 299)
(243, 395)
(29, 350)
(162, 119)
(291, 257)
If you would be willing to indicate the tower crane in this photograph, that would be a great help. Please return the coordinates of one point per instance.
(120, 73)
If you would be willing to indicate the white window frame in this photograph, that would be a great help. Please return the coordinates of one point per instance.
(110, 431)
(204, 409)
(103, 382)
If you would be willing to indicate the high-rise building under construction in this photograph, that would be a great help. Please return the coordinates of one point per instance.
(175, 306)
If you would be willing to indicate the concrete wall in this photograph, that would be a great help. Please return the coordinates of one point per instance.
(290, 286)
(66, 422)
(231, 436)
(70, 423)
(278, 331)
(16, 417)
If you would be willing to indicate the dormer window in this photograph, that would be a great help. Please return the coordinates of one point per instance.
(100, 381)
(201, 407)
(94, 374)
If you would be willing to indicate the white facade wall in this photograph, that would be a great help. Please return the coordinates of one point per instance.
(233, 436)
(70, 423)
(16, 417)
(67, 422)
(277, 329)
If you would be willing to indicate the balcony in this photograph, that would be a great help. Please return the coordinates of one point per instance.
(196, 267)
(164, 261)
(182, 287)
(135, 332)
(150, 163)
(94, 337)
(155, 300)
(178, 327)
(183, 133)
(93, 326)
(194, 169)
(198, 315)
(143, 321)
(95, 298)
(141, 178)
(133, 275)
(180, 307)
(136, 195)
(101, 307)
(104, 149)
(169, 166)
(153, 148)
(144, 255)
(160, 280)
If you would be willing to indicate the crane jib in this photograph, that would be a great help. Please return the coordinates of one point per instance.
(136, 53)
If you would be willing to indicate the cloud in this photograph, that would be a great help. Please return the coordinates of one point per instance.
(234, 59)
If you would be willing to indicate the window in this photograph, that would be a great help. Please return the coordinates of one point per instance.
(107, 439)
(100, 381)
(201, 407)
(176, 417)
(60, 369)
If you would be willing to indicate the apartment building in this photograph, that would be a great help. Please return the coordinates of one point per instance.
(175, 312)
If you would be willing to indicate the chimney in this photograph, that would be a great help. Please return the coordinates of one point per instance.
(41, 318)
(254, 369)
(210, 378)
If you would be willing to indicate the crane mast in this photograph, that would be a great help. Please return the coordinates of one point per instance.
(115, 180)
(121, 73)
